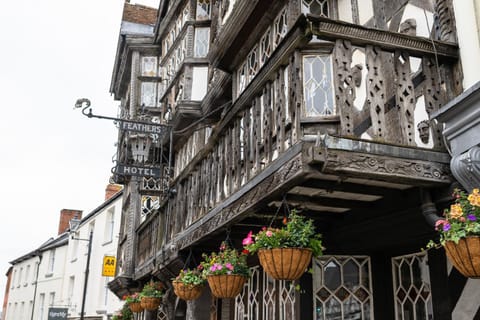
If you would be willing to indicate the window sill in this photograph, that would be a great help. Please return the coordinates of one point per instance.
(74, 259)
(49, 275)
(107, 242)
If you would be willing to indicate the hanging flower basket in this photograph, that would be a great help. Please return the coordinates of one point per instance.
(135, 307)
(187, 291)
(226, 285)
(465, 255)
(150, 303)
(285, 263)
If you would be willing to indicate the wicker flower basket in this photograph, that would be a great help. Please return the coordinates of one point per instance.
(285, 263)
(150, 303)
(465, 256)
(135, 306)
(226, 285)
(187, 291)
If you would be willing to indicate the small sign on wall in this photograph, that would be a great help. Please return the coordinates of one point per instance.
(57, 313)
(109, 266)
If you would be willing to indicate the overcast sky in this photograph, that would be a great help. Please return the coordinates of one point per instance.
(51, 156)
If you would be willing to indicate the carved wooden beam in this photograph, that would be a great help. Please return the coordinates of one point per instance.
(329, 29)
(383, 162)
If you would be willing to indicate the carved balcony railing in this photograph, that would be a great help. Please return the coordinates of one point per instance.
(377, 85)
(147, 237)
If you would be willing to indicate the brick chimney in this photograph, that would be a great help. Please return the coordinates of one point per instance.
(65, 216)
(111, 190)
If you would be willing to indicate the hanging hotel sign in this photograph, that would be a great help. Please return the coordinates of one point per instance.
(129, 170)
(142, 127)
(109, 265)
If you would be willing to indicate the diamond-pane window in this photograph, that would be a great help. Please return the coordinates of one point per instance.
(316, 7)
(149, 66)
(203, 9)
(264, 298)
(338, 293)
(318, 86)
(202, 39)
(148, 94)
(411, 285)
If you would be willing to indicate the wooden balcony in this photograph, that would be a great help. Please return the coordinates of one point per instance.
(265, 148)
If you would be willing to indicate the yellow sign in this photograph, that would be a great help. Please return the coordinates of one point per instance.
(109, 266)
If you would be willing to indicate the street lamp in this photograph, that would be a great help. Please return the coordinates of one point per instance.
(74, 224)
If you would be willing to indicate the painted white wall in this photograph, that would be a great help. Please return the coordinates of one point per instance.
(22, 289)
(467, 17)
(50, 281)
(99, 300)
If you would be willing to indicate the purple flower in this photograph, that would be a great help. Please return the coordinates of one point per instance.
(446, 226)
(472, 217)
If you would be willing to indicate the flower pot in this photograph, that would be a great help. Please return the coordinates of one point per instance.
(150, 303)
(465, 256)
(135, 306)
(187, 291)
(226, 285)
(285, 263)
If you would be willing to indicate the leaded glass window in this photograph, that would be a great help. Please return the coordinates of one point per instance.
(318, 86)
(202, 39)
(316, 7)
(203, 9)
(148, 94)
(342, 288)
(264, 298)
(411, 285)
(149, 66)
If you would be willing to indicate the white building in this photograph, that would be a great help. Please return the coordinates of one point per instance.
(100, 302)
(53, 276)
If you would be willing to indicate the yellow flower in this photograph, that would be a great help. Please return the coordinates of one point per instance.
(456, 211)
(474, 198)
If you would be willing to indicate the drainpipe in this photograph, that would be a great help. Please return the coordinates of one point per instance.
(429, 210)
(36, 284)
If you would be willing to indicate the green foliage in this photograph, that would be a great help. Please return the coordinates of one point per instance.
(226, 261)
(298, 232)
(150, 290)
(123, 314)
(190, 277)
(461, 220)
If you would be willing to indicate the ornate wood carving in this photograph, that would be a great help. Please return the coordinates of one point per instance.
(376, 92)
(222, 216)
(444, 21)
(434, 97)
(389, 41)
(405, 98)
(383, 167)
(345, 88)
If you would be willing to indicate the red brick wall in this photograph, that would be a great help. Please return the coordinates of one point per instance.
(111, 189)
(65, 216)
(139, 14)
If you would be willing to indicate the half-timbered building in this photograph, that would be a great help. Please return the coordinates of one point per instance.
(325, 106)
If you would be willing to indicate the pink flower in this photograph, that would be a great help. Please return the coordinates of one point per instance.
(229, 266)
(439, 223)
(248, 240)
(269, 233)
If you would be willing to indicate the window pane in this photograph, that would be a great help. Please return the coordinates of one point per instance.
(203, 9)
(148, 94)
(317, 86)
(202, 36)
(411, 284)
(149, 66)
